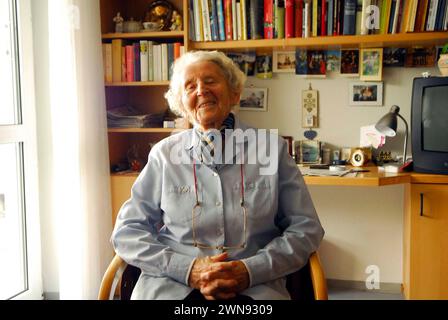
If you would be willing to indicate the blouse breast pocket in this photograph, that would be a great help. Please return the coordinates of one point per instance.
(257, 198)
(179, 201)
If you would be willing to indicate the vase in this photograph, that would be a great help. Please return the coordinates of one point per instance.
(443, 64)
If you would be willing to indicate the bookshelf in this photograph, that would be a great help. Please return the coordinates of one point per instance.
(145, 96)
(398, 40)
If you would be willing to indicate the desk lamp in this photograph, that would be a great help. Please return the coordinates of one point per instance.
(387, 125)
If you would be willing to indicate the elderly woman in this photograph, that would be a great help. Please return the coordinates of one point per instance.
(219, 211)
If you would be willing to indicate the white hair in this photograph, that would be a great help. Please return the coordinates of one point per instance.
(234, 76)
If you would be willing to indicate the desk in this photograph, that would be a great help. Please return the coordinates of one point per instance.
(425, 230)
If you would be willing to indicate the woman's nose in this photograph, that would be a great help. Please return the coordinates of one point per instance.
(201, 88)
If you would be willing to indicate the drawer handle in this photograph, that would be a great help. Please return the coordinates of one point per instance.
(421, 204)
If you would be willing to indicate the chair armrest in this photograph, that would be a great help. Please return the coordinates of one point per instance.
(111, 278)
(318, 278)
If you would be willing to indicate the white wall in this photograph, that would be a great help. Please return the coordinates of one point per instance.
(364, 225)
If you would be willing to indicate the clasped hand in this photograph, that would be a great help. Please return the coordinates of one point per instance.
(217, 278)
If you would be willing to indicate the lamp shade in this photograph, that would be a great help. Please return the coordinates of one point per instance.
(387, 125)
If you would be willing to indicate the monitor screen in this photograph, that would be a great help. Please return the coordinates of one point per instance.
(434, 119)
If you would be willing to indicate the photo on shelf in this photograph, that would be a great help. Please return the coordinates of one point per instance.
(350, 63)
(420, 57)
(263, 66)
(308, 151)
(366, 94)
(254, 99)
(394, 57)
(245, 61)
(284, 61)
(371, 64)
(311, 63)
(333, 60)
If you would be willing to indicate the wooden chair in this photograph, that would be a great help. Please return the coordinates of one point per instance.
(306, 284)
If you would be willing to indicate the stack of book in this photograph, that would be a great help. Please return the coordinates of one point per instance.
(139, 61)
(128, 117)
(219, 20)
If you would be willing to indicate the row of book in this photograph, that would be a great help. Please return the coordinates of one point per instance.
(139, 61)
(219, 20)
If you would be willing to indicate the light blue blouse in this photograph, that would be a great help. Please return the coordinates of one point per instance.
(153, 230)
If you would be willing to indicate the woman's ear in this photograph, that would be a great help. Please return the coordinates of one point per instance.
(235, 98)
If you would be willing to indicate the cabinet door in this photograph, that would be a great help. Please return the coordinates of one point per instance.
(429, 241)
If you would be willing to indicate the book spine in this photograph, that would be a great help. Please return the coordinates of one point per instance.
(234, 20)
(298, 18)
(197, 21)
(191, 23)
(323, 18)
(330, 7)
(256, 12)
(228, 19)
(164, 61)
(206, 20)
(144, 60)
(349, 17)
(280, 20)
(177, 46)
(136, 47)
(221, 24)
(170, 59)
(289, 18)
(129, 63)
(213, 20)
(268, 19)
(243, 20)
(107, 60)
(116, 60)
(307, 18)
(123, 64)
(150, 61)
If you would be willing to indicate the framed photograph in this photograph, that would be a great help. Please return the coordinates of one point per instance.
(371, 64)
(308, 151)
(254, 99)
(366, 94)
(394, 57)
(420, 57)
(284, 61)
(289, 140)
(349, 63)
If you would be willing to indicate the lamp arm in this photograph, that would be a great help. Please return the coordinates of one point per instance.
(405, 138)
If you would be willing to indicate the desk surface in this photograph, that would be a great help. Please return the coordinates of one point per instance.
(373, 178)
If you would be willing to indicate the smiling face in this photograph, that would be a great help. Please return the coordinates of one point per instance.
(206, 95)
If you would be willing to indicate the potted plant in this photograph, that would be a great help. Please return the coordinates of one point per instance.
(443, 61)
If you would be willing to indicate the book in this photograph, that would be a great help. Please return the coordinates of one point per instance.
(107, 62)
(206, 28)
(136, 47)
(116, 59)
(150, 61)
(280, 20)
(349, 20)
(221, 21)
(298, 18)
(144, 60)
(129, 63)
(268, 19)
(256, 11)
(289, 18)
(228, 16)
(213, 20)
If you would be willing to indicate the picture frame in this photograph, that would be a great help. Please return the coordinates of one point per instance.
(289, 141)
(366, 94)
(349, 66)
(254, 99)
(371, 64)
(308, 151)
(284, 61)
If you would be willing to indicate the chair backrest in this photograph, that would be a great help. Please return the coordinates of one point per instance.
(307, 283)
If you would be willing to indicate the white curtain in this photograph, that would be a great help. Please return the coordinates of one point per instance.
(81, 207)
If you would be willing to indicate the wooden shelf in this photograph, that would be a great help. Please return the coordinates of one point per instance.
(355, 41)
(146, 35)
(144, 130)
(138, 84)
